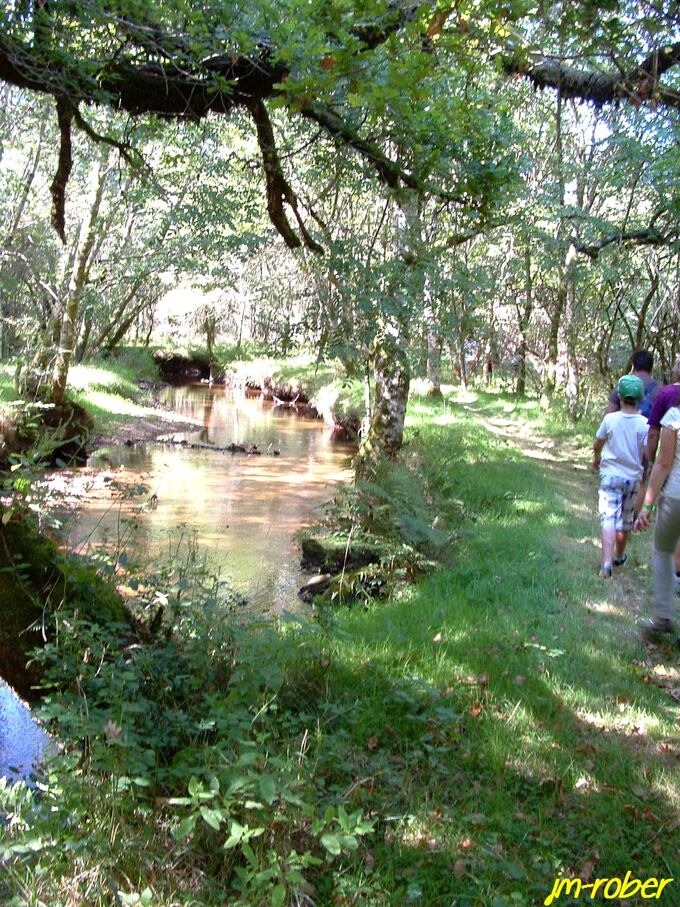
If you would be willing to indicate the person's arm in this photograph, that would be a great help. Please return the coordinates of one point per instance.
(652, 442)
(614, 402)
(659, 409)
(664, 461)
(597, 452)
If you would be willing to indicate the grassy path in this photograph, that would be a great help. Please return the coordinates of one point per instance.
(506, 722)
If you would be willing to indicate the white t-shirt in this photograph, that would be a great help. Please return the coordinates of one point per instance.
(626, 437)
(672, 420)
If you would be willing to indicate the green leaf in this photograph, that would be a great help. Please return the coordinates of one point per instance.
(195, 786)
(212, 817)
(279, 895)
(235, 835)
(332, 843)
(249, 854)
(267, 789)
(186, 827)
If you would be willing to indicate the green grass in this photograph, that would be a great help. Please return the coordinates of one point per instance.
(109, 391)
(323, 384)
(301, 370)
(7, 392)
(499, 723)
(107, 388)
(499, 714)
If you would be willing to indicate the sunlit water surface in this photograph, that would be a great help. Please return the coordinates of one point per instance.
(242, 509)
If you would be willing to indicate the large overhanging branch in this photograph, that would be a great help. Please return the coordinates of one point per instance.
(217, 85)
(642, 84)
(160, 73)
(648, 236)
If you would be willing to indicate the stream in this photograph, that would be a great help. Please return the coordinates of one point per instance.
(241, 510)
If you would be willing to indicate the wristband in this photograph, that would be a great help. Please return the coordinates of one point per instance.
(648, 507)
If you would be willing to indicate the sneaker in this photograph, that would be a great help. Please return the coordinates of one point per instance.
(657, 630)
(605, 571)
(620, 561)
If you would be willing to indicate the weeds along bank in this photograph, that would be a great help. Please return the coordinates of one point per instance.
(465, 742)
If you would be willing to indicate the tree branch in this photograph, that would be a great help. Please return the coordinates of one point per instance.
(391, 173)
(65, 113)
(125, 150)
(649, 236)
(638, 86)
(279, 191)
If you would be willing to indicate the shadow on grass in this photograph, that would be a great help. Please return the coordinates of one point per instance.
(473, 804)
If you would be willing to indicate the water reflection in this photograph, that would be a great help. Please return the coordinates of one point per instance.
(243, 508)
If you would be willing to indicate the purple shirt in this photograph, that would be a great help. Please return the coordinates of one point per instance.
(668, 397)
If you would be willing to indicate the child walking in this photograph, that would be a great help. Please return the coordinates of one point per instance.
(618, 453)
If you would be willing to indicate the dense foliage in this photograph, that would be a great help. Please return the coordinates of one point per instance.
(440, 208)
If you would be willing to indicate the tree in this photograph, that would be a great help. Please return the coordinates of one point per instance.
(411, 89)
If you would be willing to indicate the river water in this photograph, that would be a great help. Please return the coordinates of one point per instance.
(242, 509)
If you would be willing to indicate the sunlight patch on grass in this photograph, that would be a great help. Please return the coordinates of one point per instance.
(607, 607)
(459, 395)
(421, 410)
(114, 404)
(81, 377)
(527, 507)
(629, 721)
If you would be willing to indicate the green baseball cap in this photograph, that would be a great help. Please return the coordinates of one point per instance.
(632, 387)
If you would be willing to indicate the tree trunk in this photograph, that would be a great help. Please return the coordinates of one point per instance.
(392, 378)
(462, 364)
(434, 346)
(84, 339)
(550, 382)
(572, 384)
(210, 327)
(391, 370)
(117, 322)
(524, 321)
(77, 283)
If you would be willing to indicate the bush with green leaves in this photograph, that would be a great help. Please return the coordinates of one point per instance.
(171, 745)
